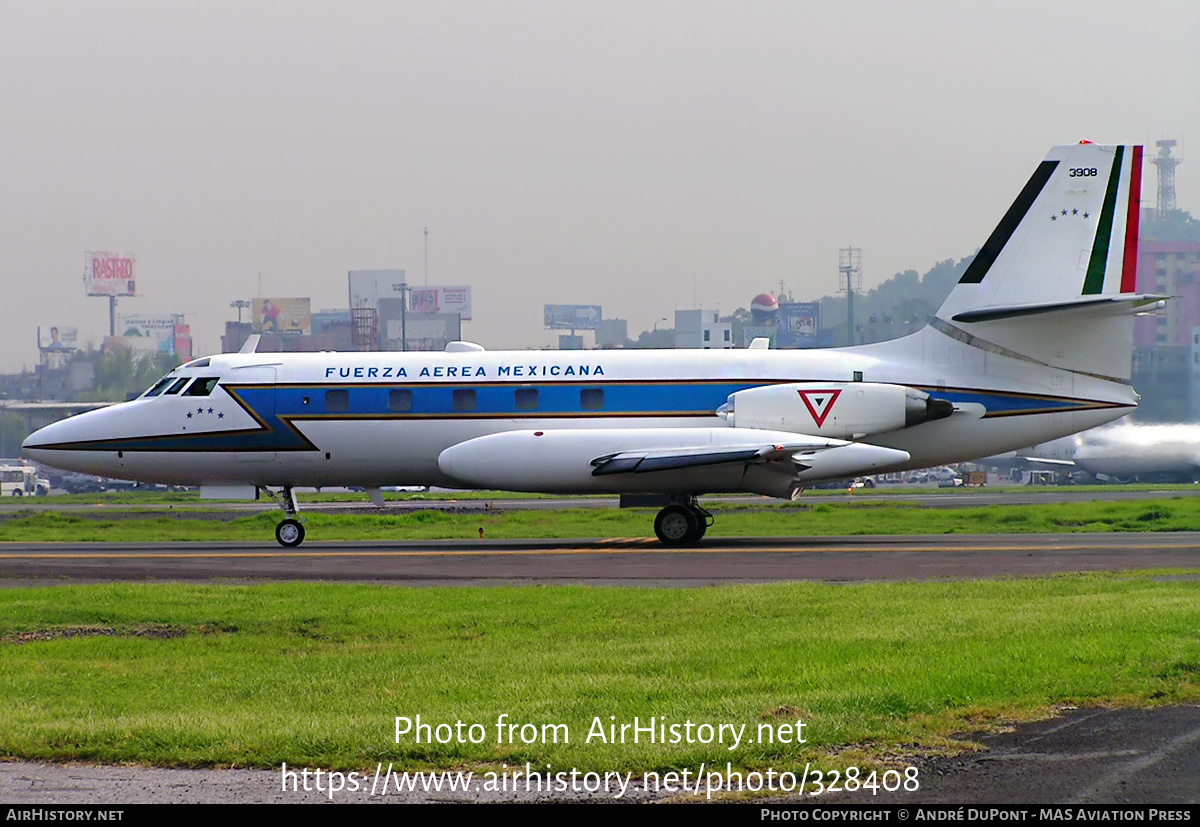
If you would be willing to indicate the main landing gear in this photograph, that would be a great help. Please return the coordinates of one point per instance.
(682, 523)
(290, 531)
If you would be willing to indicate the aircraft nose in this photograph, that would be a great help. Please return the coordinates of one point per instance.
(61, 444)
(38, 445)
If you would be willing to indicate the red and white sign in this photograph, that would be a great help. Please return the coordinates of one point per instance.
(441, 300)
(109, 274)
(819, 403)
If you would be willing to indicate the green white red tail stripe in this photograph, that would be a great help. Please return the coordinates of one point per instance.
(1132, 217)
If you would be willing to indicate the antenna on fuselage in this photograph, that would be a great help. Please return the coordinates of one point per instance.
(251, 343)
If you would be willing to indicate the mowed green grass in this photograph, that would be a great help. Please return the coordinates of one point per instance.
(753, 518)
(315, 675)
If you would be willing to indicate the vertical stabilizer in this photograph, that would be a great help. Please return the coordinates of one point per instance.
(1054, 283)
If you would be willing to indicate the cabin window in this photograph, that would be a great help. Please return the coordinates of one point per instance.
(464, 399)
(337, 401)
(177, 387)
(157, 387)
(591, 399)
(400, 400)
(526, 399)
(202, 386)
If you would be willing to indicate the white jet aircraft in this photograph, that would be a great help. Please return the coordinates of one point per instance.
(1033, 343)
(1126, 452)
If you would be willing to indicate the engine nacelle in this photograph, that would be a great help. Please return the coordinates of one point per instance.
(838, 410)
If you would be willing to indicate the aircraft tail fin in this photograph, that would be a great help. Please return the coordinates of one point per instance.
(1055, 282)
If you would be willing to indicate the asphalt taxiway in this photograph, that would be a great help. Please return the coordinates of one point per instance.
(635, 561)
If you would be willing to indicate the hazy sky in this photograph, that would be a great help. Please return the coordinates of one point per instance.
(644, 156)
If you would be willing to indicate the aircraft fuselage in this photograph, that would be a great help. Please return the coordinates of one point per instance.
(373, 419)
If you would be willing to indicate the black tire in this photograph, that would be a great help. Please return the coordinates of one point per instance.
(678, 525)
(289, 533)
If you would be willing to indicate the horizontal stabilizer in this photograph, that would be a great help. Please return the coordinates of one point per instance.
(1090, 335)
(1131, 302)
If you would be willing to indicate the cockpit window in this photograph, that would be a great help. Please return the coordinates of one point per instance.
(198, 363)
(202, 386)
(158, 386)
(177, 387)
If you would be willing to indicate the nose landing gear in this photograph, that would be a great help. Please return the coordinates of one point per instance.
(290, 531)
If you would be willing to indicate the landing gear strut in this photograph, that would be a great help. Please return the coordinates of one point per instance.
(682, 523)
(290, 531)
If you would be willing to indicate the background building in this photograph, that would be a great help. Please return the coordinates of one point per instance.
(702, 329)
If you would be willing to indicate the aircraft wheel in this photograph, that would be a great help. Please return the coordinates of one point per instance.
(678, 525)
(289, 533)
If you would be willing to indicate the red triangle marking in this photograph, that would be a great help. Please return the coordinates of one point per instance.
(819, 403)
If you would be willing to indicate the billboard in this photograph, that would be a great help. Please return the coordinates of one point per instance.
(54, 337)
(572, 316)
(108, 274)
(291, 316)
(799, 324)
(183, 341)
(148, 331)
(367, 287)
(441, 300)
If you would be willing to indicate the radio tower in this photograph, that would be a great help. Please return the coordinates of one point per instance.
(1166, 163)
(850, 269)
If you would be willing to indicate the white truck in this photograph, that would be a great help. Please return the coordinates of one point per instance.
(21, 480)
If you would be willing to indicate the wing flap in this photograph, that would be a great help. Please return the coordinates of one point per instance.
(640, 462)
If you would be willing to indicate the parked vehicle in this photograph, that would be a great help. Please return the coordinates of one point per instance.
(22, 480)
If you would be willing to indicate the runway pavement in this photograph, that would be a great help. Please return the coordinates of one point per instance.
(638, 561)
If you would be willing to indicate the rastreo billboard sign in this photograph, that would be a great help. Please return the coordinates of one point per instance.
(109, 274)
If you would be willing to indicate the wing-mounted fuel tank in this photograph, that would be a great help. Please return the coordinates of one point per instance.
(838, 410)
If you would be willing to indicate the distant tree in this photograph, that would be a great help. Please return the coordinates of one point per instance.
(660, 339)
(1173, 225)
(122, 373)
(12, 433)
(899, 305)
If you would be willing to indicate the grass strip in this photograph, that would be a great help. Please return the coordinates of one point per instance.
(312, 674)
(757, 519)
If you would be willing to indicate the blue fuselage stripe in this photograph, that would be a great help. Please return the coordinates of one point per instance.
(282, 409)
